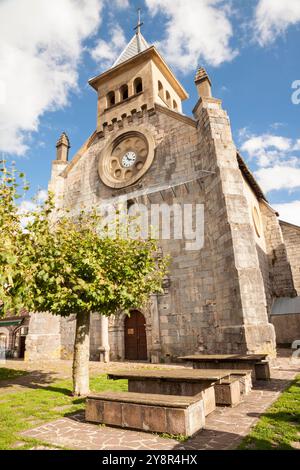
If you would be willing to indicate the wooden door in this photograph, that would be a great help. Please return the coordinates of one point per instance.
(22, 347)
(135, 337)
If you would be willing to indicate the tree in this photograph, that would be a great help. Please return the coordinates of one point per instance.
(11, 236)
(65, 266)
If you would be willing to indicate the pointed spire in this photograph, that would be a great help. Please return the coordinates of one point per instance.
(203, 83)
(137, 44)
(62, 148)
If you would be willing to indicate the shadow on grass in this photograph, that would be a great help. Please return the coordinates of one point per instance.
(253, 443)
(61, 390)
(34, 379)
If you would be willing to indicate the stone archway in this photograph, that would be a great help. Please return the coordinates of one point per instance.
(135, 337)
(152, 325)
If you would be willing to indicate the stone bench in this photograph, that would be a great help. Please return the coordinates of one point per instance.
(147, 412)
(257, 363)
(245, 378)
(228, 392)
(181, 382)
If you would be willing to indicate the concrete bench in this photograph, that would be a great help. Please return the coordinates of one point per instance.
(257, 363)
(147, 412)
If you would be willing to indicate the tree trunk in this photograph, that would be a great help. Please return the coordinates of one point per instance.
(81, 385)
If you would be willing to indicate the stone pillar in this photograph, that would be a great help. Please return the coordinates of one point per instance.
(104, 348)
(155, 352)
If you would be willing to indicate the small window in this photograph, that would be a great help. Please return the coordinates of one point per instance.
(138, 85)
(124, 92)
(168, 98)
(160, 90)
(111, 99)
(175, 106)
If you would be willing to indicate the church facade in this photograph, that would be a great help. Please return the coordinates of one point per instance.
(217, 298)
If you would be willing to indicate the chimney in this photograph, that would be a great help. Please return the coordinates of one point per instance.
(203, 83)
(62, 148)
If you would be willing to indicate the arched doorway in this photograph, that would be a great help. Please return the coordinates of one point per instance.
(135, 337)
(20, 341)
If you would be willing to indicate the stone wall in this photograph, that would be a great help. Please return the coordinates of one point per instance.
(43, 341)
(67, 331)
(281, 277)
(287, 327)
(216, 299)
(291, 236)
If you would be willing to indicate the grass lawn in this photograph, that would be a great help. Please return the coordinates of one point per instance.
(279, 427)
(6, 374)
(31, 407)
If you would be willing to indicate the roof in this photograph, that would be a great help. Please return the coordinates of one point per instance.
(286, 305)
(283, 222)
(137, 44)
(250, 178)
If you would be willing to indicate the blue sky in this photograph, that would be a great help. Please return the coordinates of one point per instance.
(250, 49)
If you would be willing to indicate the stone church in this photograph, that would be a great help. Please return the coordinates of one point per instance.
(217, 299)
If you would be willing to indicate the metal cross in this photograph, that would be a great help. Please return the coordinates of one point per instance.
(138, 26)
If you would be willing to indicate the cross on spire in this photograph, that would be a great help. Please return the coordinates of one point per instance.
(138, 26)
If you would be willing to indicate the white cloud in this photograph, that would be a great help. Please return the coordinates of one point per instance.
(267, 148)
(279, 177)
(105, 53)
(276, 157)
(122, 4)
(196, 31)
(40, 47)
(289, 211)
(273, 17)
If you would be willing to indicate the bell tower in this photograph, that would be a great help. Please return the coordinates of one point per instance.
(139, 79)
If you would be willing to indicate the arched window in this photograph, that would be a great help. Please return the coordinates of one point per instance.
(124, 92)
(111, 99)
(160, 90)
(175, 106)
(168, 98)
(138, 85)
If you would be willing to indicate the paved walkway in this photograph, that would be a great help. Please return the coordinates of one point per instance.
(225, 427)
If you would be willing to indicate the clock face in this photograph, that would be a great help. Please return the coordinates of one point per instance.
(128, 159)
